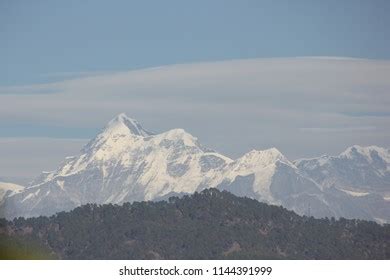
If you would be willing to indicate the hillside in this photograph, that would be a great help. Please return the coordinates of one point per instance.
(206, 225)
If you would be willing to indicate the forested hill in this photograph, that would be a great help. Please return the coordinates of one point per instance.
(206, 225)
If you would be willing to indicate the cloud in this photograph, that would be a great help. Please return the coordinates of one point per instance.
(74, 74)
(299, 105)
(288, 85)
(338, 129)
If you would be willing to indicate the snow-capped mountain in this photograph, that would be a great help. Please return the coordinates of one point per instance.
(270, 177)
(359, 175)
(123, 163)
(357, 171)
(7, 189)
(127, 163)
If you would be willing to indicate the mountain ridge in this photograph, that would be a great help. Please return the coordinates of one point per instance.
(126, 163)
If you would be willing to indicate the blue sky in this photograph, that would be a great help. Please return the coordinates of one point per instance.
(43, 39)
(245, 79)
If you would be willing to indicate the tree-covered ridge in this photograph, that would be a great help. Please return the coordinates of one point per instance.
(206, 225)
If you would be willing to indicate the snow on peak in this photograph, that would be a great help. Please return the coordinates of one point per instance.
(262, 157)
(121, 127)
(256, 160)
(179, 134)
(368, 152)
(122, 124)
(8, 189)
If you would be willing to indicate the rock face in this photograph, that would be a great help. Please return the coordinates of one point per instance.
(127, 163)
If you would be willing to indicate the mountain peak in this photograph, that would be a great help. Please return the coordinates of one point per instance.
(368, 152)
(271, 153)
(122, 117)
(8, 189)
(262, 157)
(122, 124)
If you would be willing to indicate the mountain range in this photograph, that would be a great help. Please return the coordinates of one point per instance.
(126, 163)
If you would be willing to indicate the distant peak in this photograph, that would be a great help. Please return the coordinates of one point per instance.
(263, 157)
(271, 152)
(177, 132)
(180, 134)
(122, 123)
(367, 152)
(361, 149)
(122, 118)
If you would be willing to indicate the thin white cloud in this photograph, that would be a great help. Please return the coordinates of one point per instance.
(75, 74)
(338, 129)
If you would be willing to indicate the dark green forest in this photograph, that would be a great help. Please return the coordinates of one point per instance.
(206, 225)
